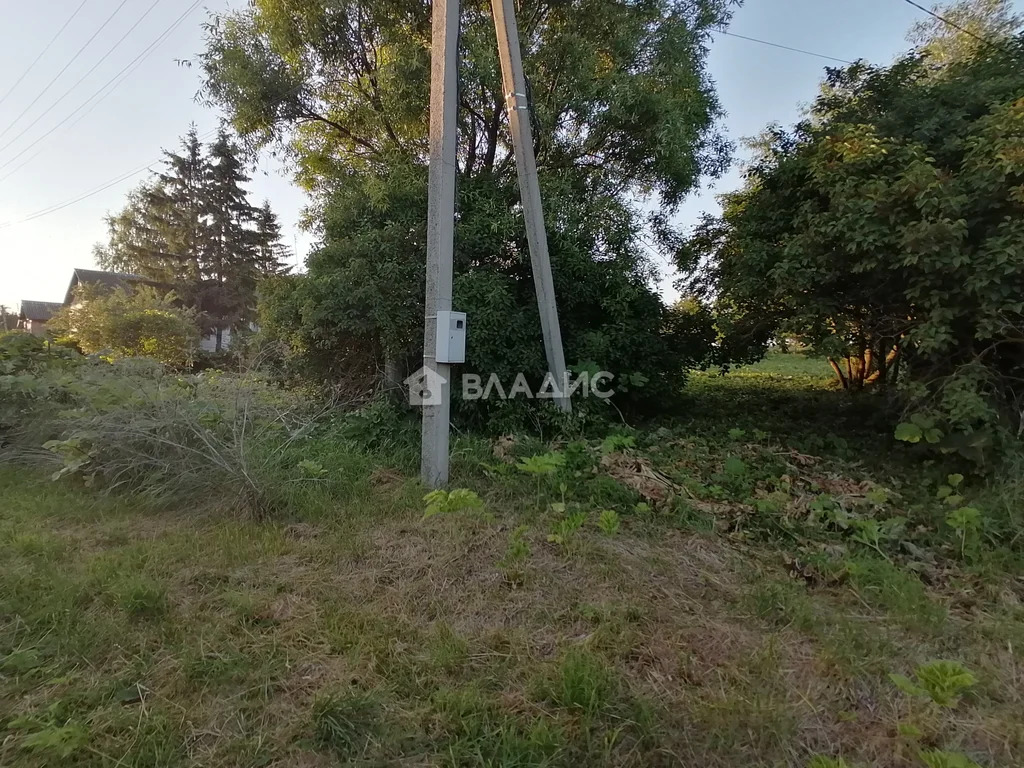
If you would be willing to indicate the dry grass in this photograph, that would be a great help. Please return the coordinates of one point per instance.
(383, 639)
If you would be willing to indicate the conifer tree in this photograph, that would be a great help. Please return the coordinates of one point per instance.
(229, 255)
(192, 229)
(272, 255)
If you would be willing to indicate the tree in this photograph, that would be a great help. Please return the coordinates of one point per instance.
(136, 322)
(272, 255)
(888, 230)
(624, 111)
(230, 254)
(191, 228)
(976, 21)
(8, 321)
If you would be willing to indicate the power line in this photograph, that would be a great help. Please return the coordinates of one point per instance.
(42, 52)
(64, 68)
(95, 191)
(96, 94)
(946, 21)
(78, 82)
(785, 47)
(66, 125)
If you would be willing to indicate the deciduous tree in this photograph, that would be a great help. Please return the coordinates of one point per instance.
(888, 230)
(624, 110)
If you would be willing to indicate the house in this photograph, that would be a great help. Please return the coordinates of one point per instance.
(34, 316)
(109, 280)
(114, 280)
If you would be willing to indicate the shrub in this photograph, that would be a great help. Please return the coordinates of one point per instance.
(123, 323)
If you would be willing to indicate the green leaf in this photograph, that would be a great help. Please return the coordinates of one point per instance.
(877, 496)
(734, 466)
(907, 685)
(908, 433)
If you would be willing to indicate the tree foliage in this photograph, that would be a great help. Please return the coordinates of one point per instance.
(192, 229)
(136, 322)
(888, 229)
(623, 109)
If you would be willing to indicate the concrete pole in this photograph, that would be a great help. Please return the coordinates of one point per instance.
(444, 68)
(514, 81)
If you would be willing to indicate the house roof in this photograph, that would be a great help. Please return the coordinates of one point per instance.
(108, 279)
(40, 311)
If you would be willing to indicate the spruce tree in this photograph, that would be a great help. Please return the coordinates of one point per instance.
(192, 229)
(230, 253)
(272, 255)
(173, 222)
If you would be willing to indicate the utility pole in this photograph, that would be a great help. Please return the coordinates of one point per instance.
(444, 68)
(514, 81)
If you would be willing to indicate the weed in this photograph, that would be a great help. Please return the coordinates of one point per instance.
(966, 521)
(142, 598)
(20, 661)
(52, 741)
(942, 682)
(564, 530)
(540, 466)
(608, 522)
(479, 733)
(821, 761)
(442, 502)
(583, 682)
(517, 553)
(448, 650)
(883, 584)
(872, 533)
(614, 443)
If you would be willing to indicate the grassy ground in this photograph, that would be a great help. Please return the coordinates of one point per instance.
(739, 609)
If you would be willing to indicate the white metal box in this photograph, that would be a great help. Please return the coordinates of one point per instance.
(451, 337)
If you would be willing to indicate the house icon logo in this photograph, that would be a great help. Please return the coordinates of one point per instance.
(425, 387)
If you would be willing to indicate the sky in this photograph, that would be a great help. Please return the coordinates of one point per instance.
(61, 139)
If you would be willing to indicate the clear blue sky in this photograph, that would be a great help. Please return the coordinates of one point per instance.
(154, 105)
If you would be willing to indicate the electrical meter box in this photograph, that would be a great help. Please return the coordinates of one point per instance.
(451, 337)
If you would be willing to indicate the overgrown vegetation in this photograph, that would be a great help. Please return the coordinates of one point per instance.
(236, 567)
(136, 322)
(886, 231)
(737, 588)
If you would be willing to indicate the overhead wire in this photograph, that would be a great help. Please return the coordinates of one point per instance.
(88, 72)
(98, 95)
(94, 191)
(63, 69)
(784, 47)
(946, 21)
(123, 177)
(42, 53)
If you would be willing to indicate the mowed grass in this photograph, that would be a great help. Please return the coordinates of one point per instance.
(789, 364)
(369, 636)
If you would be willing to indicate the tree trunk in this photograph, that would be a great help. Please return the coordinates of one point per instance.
(393, 375)
(839, 372)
